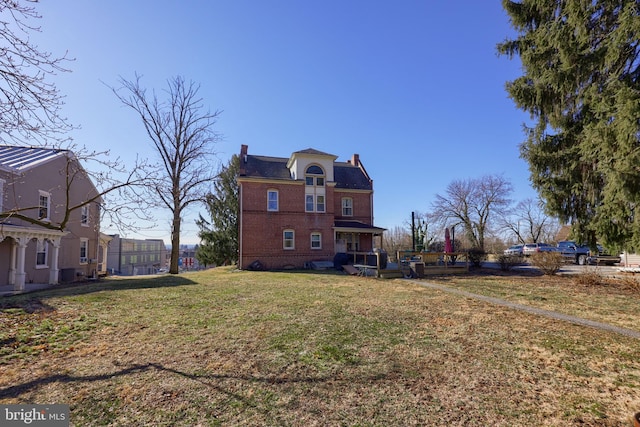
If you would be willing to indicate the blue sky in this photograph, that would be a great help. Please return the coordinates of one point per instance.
(414, 87)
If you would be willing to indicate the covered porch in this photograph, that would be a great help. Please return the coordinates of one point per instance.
(355, 239)
(18, 237)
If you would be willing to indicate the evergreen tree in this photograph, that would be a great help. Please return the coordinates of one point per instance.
(219, 236)
(580, 85)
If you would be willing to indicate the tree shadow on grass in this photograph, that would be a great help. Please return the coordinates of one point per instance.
(208, 380)
(34, 302)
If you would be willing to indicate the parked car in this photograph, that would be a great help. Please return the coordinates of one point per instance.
(573, 252)
(532, 248)
(515, 250)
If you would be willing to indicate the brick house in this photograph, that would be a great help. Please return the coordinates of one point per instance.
(36, 186)
(304, 208)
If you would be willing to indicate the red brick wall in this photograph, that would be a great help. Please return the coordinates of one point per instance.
(361, 206)
(262, 232)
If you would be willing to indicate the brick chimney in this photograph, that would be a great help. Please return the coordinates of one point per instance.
(243, 159)
(355, 160)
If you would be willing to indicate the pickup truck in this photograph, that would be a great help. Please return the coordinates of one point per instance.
(603, 258)
(573, 252)
(582, 254)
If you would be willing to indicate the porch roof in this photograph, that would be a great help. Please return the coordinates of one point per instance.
(350, 226)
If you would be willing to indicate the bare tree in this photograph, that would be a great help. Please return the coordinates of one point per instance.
(474, 203)
(396, 239)
(30, 114)
(183, 138)
(30, 105)
(529, 223)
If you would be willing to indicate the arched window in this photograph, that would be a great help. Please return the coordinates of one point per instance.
(314, 176)
(315, 191)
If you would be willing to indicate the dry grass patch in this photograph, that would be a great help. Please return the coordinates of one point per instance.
(243, 348)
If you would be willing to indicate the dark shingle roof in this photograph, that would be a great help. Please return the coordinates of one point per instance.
(350, 177)
(267, 167)
(346, 175)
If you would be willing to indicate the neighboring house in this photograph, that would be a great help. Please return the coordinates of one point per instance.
(131, 257)
(188, 260)
(40, 183)
(308, 207)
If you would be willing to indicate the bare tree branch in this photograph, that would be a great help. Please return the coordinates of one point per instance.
(183, 137)
(30, 105)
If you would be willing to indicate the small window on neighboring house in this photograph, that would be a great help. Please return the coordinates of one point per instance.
(308, 206)
(347, 206)
(272, 200)
(320, 203)
(288, 239)
(44, 206)
(41, 254)
(84, 250)
(316, 240)
(84, 215)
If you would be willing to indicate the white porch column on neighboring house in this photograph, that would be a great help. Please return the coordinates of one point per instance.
(20, 273)
(12, 263)
(53, 271)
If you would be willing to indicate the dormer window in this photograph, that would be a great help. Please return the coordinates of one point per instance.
(315, 192)
(314, 176)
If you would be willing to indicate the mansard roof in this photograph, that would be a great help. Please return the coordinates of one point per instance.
(346, 175)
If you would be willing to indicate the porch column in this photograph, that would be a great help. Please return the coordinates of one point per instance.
(20, 273)
(53, 270)
(12, 262)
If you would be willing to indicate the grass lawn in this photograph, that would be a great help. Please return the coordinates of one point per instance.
(224, 347)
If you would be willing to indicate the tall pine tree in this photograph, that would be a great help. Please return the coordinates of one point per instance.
(581, 86)
(219, 235)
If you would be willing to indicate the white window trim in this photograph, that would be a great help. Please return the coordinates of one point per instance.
(293, 240)
(313, 203)
(344, 206)
(48, 196)
(319, 240)
(84, 242)
(84, 215)
(324, 203)
(45, 245)
(277, 208)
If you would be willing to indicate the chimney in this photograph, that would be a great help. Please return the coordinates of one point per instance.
(243, 159)
(355, 160)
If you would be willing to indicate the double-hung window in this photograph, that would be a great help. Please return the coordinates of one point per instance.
(84, 215)
(316, 240)
(84, 250)
(347, 206)
(44, 205)
(288, 239)
(41, 254)
(272, 200)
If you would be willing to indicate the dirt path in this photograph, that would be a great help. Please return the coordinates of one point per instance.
(533, 310)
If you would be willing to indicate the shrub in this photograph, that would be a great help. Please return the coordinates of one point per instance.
(548, 262)
(588, 278)
(476, 256)
(630, 282)
(507, 262)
